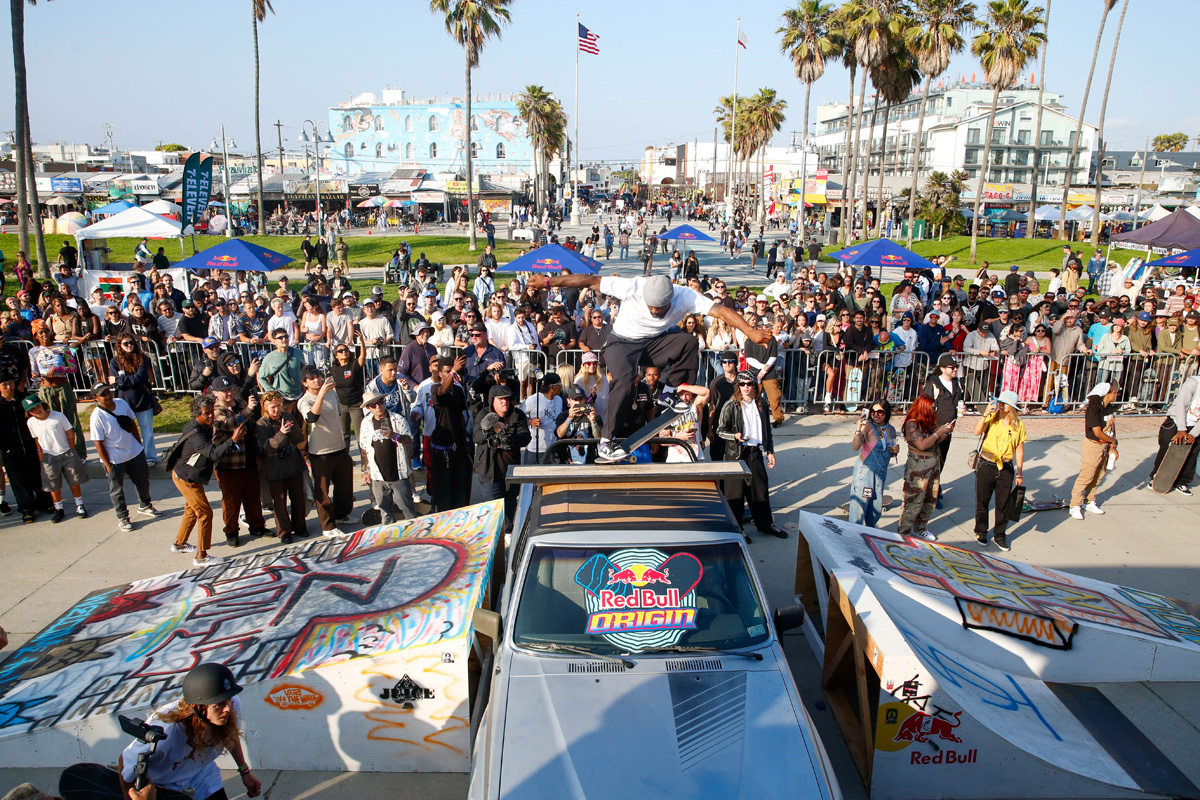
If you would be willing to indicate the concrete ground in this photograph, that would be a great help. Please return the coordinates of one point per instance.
(1144, 541)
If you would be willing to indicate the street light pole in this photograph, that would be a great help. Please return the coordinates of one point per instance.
(228, 196)
(317, 140)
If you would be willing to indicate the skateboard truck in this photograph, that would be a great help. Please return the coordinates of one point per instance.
(148, 734)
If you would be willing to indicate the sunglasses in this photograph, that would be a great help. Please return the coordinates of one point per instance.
(878, 411)
(475, 336)
(744, 383)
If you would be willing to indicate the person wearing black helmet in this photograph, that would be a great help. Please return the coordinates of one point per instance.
(203, 724)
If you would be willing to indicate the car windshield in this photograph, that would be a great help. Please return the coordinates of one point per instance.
(640, 599)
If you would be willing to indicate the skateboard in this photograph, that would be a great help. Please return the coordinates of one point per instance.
(887, 503)
(894, 385)
(1044, 505)
(1168, 470)
(644, 434)
(854, 390)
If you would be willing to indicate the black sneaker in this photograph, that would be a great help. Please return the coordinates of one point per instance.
(233, 541)
(981, 539)
(58, 516)
(81, 512)
(776, 531)
(285, 539)
(27, 517)
(1184, 490)
(259, 532)
(1002, 542)
(5, 508)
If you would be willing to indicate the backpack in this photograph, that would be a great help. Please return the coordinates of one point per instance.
(170, 456)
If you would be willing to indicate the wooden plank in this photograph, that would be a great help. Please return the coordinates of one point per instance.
(628, 473)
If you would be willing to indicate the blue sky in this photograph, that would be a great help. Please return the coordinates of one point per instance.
(175, 71)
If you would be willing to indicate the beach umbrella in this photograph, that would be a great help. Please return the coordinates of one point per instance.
(687, 233)
(70, 222)
(882, 253)
(115, 207)
(552, 258)
(236, 254)
(56, 200)
(371, 202)
(1188, 258)
(217, 223)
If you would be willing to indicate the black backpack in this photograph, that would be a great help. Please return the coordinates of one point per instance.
(171, 456)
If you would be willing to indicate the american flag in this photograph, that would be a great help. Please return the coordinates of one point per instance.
(587, 41)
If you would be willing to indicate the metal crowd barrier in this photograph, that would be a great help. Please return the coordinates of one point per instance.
(1148, 383)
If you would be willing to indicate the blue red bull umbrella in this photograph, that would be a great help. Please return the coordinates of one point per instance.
(1188, 258)
(688, 234)
(882, 253)
(552, 258)
(236, 254)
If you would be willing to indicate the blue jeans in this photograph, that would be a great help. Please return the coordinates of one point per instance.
(498, 491)
(145, 421)
(866, 494)
(624, 251)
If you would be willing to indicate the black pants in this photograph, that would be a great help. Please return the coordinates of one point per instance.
(333, 489)
(1166, 433)
(943, 450)
(759, 490)
(988, 481)
(675, 352)
(450, 471)
(281, 492)
(25, 477)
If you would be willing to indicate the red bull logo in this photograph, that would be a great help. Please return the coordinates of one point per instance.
(624, 600)
(547, 263)
(686, 235)
(893, 259)
(638, 575)
(921, 726)
(1177, 259)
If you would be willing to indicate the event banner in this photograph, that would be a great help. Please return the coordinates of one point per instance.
(197, 187)
(112, 282)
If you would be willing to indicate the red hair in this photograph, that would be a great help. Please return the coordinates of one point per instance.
(922, 413)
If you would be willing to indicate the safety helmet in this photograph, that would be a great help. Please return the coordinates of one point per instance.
(208, 684)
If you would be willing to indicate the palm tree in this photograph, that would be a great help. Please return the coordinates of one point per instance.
(1010, 38)
(546, 125)
(897, 77)
(851, 67)
(471, 23)
(1107, 6)
(935, 36)
(23, 154)
(1031, 224)
(809, 39)
(740, 149)
(258, 9)
(1100, 130)
(766, 119)
(871, 27)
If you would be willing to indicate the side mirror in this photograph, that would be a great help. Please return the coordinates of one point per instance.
(787, 618)
(488, 623)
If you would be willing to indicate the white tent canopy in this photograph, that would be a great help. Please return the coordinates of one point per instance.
(1154, 214)
(163, 207)
(1083, 214)
(132, 223)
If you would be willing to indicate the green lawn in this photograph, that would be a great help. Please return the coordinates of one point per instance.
(365, 251)
(1035, 254)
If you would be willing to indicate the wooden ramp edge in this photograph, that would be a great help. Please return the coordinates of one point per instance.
(628, 473)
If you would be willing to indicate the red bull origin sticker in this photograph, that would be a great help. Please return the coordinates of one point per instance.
(640, 597)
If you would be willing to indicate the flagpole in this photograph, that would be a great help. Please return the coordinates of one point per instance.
(737, 42)
(575, 171)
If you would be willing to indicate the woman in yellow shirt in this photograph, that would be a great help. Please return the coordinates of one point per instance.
(1001, 460)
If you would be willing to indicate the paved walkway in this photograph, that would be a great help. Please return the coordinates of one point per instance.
(1144, 541)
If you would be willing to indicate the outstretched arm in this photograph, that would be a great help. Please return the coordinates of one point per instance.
(758, 335)
(569, 281)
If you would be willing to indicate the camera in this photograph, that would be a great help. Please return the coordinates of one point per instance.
(587, 408)
(508, 374)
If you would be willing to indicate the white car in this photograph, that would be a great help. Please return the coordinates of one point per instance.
(633, 655)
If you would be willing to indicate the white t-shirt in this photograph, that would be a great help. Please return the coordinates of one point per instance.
(51, 432)
(536, 406)
(173, 765)
(285, 323)
(339, 327)
(635, 320)
(120, 443)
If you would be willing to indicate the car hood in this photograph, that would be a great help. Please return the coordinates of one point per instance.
(718, 733)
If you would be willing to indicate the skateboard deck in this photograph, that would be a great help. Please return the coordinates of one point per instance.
(1168, 470)
(854, 390)
(887, 503)
(645, 433)
(1045, 505)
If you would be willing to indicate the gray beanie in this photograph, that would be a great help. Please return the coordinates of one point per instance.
(657, 291)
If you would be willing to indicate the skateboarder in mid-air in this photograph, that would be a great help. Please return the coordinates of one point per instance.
(646, 332)
(1179, 441)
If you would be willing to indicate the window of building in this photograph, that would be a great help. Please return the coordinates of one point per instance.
(349, 150)
(433, 150)
(972, 157)
(1136, 161)
(1109, 162)
(500, 152)
(379, 150)
(408, 150)
(973, 136)
(1023, 137)
(379, 122)
(1047, 138)
(474, 123)
(997, 135)
(1071, 139)
(433, 122)
(408, 123)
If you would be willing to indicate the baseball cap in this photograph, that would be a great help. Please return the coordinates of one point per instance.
(1192, 315)
(222, 384)
(997, 293)
(308, 371)
(31, 402)
(729, 355)
(762, 298)
(211, 341)
(946, 360)
(576, 393)
(1145, 316)
(1013, 268)
(377, 290)
(100, 387)
(347, 294)
(437, 315)
(477, 327)
(499, 390)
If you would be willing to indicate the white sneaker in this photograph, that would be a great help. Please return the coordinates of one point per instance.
(1092, 508)
(207, 561)
(610, 452)
(333, 532)
(186, 547)
(926, 535)
(1076, 512)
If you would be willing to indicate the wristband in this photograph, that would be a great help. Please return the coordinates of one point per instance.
(242, 770)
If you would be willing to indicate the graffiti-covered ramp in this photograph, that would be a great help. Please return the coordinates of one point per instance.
(954, 674)
(352, 652)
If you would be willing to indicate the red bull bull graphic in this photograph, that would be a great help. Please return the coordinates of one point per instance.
(223, 262)
(921, 726)
(640, 597)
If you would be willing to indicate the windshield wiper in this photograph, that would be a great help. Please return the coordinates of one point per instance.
(583, 651)
(684, 648)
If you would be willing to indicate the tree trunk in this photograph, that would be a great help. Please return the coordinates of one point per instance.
(1031, 225)
(804, 160)
(22, 100)
(853, 184)
(1087, 90)
(262, 220)
(887, 112)
(35, 208)
(983, 173)
(912, 194)
(866, 171)
(1100, 129)
(846, 157)
(470, 187)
